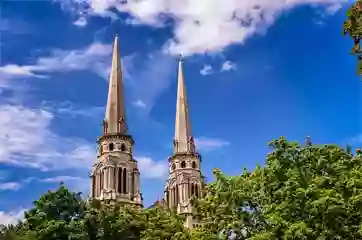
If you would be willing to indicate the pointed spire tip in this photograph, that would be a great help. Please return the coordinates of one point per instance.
(181, 57)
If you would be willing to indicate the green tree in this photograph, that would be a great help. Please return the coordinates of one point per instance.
(303, 192)
(56, 215)
(62, 214)
(161, 223)
(353, 28)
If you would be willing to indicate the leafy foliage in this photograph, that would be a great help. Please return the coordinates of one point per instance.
(353, 28)
(303, 192)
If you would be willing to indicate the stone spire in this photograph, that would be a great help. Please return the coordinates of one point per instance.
(185, 180)
(183, 136)
(114, 121)
(115, 175)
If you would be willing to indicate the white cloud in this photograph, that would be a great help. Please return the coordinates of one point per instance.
(145, 84)
(14, 26)
(81, 22)
(207, 70)
(59, 179)
(207, 144)
(228, 66)
(26, 140)
(203, 25)
(96, 57)
(71, 109)
(152, 169)
(13, 186)
(148, 78)
(140, 104)
(11, 217)
(75, 183)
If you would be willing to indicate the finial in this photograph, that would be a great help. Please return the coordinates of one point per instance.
(181, 57)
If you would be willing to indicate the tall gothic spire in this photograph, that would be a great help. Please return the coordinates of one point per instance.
(183, 141)
(115, 121)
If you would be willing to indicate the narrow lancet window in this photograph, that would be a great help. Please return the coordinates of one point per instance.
(119, 180)
(124, 180)
(102, 180)
(133, 183)
(93, 186)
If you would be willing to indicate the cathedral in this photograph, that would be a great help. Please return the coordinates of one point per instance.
(115, 176)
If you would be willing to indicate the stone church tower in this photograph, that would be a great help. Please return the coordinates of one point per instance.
(185, 180)
(115, 175)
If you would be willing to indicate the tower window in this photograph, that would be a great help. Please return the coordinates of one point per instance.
(119, 180)
(193, 164)
(123, 147)
(111, 147)
(183, 164)
(94, 186)
(102, 180)
(173, 166)
(124, 180)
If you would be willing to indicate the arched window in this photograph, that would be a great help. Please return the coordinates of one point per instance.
(173, 166)
(196, 190)
(111, 147)
(124, 180)
(183, 164)
(194, 165)
(123, 147)
(119, 189)
(192, 189)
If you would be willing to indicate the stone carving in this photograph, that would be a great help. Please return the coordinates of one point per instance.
(120, 122)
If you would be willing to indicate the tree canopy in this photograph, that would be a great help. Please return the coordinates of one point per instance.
(352, 27)
(303, 191)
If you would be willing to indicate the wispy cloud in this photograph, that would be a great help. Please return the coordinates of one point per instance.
(146, 79)
(13, 186)
(59, 179)
(140, 104)
(206, 70)
(95, 57)
(81, 22)
(228, 66)
(150, 77)
(217, 23)
(71, 109)
(26, 140)
(14, 26)
(12, 217)
(209, 144)
(151, 168)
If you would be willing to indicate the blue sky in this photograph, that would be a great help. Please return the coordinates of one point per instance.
(285, 71)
